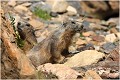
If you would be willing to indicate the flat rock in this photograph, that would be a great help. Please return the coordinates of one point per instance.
(36, 24)
(83, 58)
(59, 70)
(110, 38)
(108, 47)
(71, 11)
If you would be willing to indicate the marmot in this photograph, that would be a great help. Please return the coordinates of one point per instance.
(26, 33)
(51, 49)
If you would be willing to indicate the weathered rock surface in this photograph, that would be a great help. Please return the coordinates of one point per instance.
(59, 70)
(90, 74)
(110, 38)
(100, 9)
(71, 11)
(12, 3)
(83, 58)
(59, 6)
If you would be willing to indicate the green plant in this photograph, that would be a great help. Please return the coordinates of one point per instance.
(19, 41)
(41, 13)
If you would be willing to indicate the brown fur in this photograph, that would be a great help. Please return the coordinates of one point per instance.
(26, 33)
(50, 49)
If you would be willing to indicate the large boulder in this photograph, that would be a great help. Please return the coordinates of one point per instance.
(84, 58)
(100, 9)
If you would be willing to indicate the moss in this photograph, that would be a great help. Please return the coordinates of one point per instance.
(41, 14)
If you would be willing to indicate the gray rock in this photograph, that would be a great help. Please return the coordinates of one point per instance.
(108, 47)
(76, 5)
(41, 5)
(53, 14)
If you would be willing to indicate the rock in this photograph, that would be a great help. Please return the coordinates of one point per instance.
(38, 33)
(113, 30)
(97, 47)
(80, 42)
(86, 47)
(88, 39)
(83, 58)
(26, 4)
(96, 26)
(90, 74)
(71, 11)
(36, 24)
(45, 33)
(114, 54)
(12, 3)
(110, 38)
(118, 35)
(59, 6)
(21, 8)
(100, 9)
(94, 8)
(110, 75)
(113, 20)
(26, 67)
(72, 49)
(88, 33)
(40, 39)
(75, 4)
(98, 38)
(41, 5)
(108, 47)
(53, 14)
(59, 70)
(60, 18)
(114, 5)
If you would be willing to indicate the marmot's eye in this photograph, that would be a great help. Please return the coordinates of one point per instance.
(19, 23)
(72, 22)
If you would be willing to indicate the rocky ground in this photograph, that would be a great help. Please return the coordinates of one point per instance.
(94, 54)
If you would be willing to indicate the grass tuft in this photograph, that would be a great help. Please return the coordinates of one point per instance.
(41, 14)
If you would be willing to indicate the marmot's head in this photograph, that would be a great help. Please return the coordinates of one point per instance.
(76, 26)
(24, 29)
